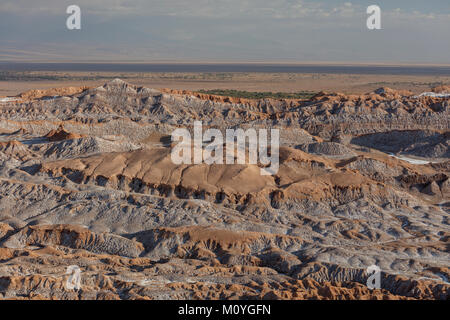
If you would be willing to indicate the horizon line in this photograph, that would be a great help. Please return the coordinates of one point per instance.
(229, 62)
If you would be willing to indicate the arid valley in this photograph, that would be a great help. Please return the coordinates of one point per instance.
(86, 180)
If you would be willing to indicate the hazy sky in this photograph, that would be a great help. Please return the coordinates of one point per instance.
(414, 31)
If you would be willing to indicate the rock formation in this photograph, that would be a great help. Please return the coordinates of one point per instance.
(86, 179)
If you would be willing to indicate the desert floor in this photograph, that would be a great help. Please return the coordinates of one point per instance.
(275, 82)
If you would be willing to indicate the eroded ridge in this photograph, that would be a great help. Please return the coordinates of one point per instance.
(86, 179)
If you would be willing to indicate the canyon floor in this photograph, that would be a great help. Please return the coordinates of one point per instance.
(86, 180)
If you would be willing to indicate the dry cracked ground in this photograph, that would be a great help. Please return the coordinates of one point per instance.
(86, 179)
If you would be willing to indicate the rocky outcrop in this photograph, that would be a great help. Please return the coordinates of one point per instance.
(73, 237)
(60, 134)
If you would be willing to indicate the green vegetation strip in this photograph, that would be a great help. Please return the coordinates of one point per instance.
(259, 95)
(28, 76)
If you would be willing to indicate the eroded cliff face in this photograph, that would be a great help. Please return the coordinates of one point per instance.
(86, 179)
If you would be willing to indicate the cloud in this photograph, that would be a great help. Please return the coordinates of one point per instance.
(300, 30)
(268, 9)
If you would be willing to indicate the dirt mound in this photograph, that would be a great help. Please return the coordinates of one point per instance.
(38, 94)
(74, 237)
(11, 146)
(153, 169)
(428, 144)
(5, 230)
(83, 146)
(211, 243)
(328, 149)
(14, 149)
(60, 134)
(441, 89)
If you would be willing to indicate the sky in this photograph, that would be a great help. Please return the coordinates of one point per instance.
(286, 31)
